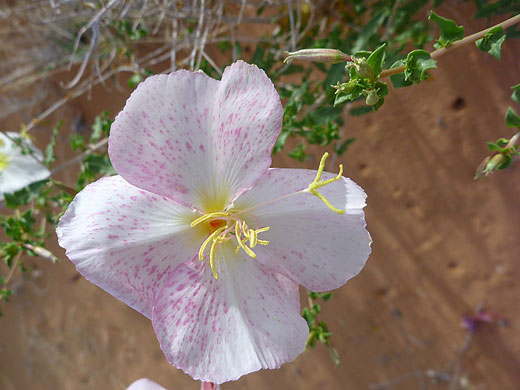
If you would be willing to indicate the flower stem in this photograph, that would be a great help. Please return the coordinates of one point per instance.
(469, 39)
(209, 386)
(13, 268)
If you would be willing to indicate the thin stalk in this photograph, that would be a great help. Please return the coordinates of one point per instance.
(469, 39)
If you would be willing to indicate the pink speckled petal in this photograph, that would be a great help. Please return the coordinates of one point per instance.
(309, 243)
(145, 384)
(218, 330)
(197, 140)
(126, 240)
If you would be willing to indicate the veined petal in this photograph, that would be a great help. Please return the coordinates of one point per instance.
(308, 242)
(145, 384)
(217, 330)
(197, 140)
(126, 240)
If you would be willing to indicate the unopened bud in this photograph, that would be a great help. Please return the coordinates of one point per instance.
(345, 87)
(328, 56)
(42, 252)
(362, 67)
(489, 165)
(372, 97)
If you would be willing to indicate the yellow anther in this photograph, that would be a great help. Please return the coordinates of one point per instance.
(211, 237)
(222, 222)
(205, 217)
(241, 243)
(252, 238)
(318, 183)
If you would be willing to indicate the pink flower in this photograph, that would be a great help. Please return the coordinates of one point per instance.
(193, 155)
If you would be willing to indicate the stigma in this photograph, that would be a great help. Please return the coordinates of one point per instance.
(224, 226)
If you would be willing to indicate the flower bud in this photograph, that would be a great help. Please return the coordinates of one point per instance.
(345, 87)
(329, 56)
(372, 97)
(489, 165)
(362, 67)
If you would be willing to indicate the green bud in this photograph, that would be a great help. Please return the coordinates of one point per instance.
(489, 165)
(329, 56)
(362, 67)
(372, 97)
(345, 87)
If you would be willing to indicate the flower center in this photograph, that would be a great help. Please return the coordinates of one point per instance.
(224, 226)
(4, 161)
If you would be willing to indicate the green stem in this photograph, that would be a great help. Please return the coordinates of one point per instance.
(469, 39)
(14, 265)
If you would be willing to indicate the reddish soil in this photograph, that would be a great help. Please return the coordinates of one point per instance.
(444, 244)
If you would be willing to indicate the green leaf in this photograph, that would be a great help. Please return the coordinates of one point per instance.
(398, 80)
(49, 150)
(369, 32)
(492, 42)
(449, 31)
(417, 64)
(376, 59)
(516, 93)
(101, 126)
(77, 141)
(298, 153)
(95, 165)
(360, 110)
(25, 195)
(512, 118)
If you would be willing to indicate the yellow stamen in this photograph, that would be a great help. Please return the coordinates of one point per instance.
(318, 183)
(205, 217)
(241, 243)
(212, 257)
(253, 239)
(211, 237)
(220, 225)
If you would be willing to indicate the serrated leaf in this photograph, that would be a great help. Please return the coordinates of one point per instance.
(516, 93)
(512, 118)
(417, 64)
(341, 148)
(376, 59)
(493, 147)
(449, 31)
(348, 97)
(49, 150)
(507, 161)
(360, 110)
(398, 80)
(492, 42)
(25, 195)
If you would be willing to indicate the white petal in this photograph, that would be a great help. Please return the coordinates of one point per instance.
(22, 169)
(218, 330)
(197, 140)
(126, 240)
(145, 384)
(308, 242)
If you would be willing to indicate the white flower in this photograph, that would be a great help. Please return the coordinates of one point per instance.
(19, 169)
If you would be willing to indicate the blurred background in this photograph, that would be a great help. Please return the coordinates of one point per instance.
(436, 307)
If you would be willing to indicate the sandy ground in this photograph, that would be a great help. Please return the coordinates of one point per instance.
(444, 244)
